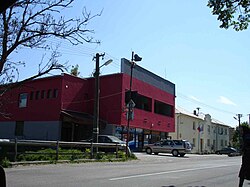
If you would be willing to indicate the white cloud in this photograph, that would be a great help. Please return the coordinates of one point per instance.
(194, 98)
(225, 101)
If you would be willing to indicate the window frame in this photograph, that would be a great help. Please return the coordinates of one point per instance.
(23, 102)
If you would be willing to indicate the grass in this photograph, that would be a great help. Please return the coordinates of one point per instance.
(67, 155)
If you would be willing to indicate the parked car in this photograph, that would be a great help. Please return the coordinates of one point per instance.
(230, 151)
(175, 147)
(108, 139)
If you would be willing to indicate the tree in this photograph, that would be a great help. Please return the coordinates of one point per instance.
(237, 136)
(29, 24)
(6, 4)
(231, 13)
(75, 70)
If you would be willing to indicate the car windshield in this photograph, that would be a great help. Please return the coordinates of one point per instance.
(114, 139)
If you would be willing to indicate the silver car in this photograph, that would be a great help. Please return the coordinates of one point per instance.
(175, 147)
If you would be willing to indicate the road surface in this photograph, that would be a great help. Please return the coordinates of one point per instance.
(148, 171)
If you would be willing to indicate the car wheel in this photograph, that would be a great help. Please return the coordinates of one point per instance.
(149, 151)
(175, 152)
(182, 154)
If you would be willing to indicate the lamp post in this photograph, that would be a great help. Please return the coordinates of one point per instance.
(97, 95)
(135, 58)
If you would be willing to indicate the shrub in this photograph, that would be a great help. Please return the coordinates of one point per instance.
(5, 163)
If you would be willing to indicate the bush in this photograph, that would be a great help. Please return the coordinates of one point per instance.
(5, 163)
(50, 155)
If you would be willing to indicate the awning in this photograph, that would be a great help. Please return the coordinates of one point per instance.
(79, 117)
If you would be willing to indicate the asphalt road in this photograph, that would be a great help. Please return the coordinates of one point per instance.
(149, 171)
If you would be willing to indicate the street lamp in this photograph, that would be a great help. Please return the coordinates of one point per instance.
(135, 58)
(97, 95)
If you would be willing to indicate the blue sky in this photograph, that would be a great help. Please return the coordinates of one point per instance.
(178, 40)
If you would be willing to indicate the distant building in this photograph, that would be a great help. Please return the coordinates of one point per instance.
(61, 107)
(205, 134)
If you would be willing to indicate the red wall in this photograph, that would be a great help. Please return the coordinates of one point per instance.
(112, 103)
(77, 94)
(36, 110)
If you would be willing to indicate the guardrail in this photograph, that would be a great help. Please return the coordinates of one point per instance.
(60, 144)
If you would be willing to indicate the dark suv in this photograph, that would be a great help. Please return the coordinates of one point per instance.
(175, 147)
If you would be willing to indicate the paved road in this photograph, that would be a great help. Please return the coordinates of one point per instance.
(148, 171)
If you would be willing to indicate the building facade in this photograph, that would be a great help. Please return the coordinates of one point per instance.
(61, 107)
(205, 134)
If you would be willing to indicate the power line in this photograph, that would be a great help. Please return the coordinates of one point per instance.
(202, 104)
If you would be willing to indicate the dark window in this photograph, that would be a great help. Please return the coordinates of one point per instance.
(31, 95)
(43, 94)
(49, 94)
(23, 100)
(163, 109)
(55, 93)
(19, 128)
(141, 102)
(133, 96)
(37, 95)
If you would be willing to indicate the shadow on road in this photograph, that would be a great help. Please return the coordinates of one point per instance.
(187, 186)
(172, 156)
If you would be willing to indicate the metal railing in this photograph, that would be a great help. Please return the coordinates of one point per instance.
(59, 144)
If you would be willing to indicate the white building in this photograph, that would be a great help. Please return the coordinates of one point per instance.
(205, 134)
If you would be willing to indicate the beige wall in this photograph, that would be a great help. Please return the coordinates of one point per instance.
(213, 137)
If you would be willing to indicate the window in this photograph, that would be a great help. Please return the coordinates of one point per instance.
(49, 94)
(23, 100)
(55, 93)
(141, 102)
(208, 142)
(208, 129)
(163, 109)
(221, 142)
(43, 94)
(19, 128)
(194, 125)
(37, 95)
(31, 95)
(225, 131)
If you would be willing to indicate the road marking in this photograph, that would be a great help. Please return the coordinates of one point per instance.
(167, 172)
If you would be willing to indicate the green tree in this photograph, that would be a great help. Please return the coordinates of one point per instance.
(237, 136)
(231, 13)
(75, 70)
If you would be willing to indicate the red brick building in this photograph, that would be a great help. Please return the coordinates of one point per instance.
(61, 107)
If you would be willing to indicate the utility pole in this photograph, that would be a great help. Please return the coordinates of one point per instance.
(240, 130)
(97, 95)
(134, 58)
(130, 98)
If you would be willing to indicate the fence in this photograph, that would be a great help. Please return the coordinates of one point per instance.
(58, 144)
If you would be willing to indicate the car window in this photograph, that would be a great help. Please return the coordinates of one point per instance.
(164, 143)
(107, 140)
(177, 142)
(168, 143)
(101, 139)
(157, 143)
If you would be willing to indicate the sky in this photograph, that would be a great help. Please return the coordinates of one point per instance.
(178, 40)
